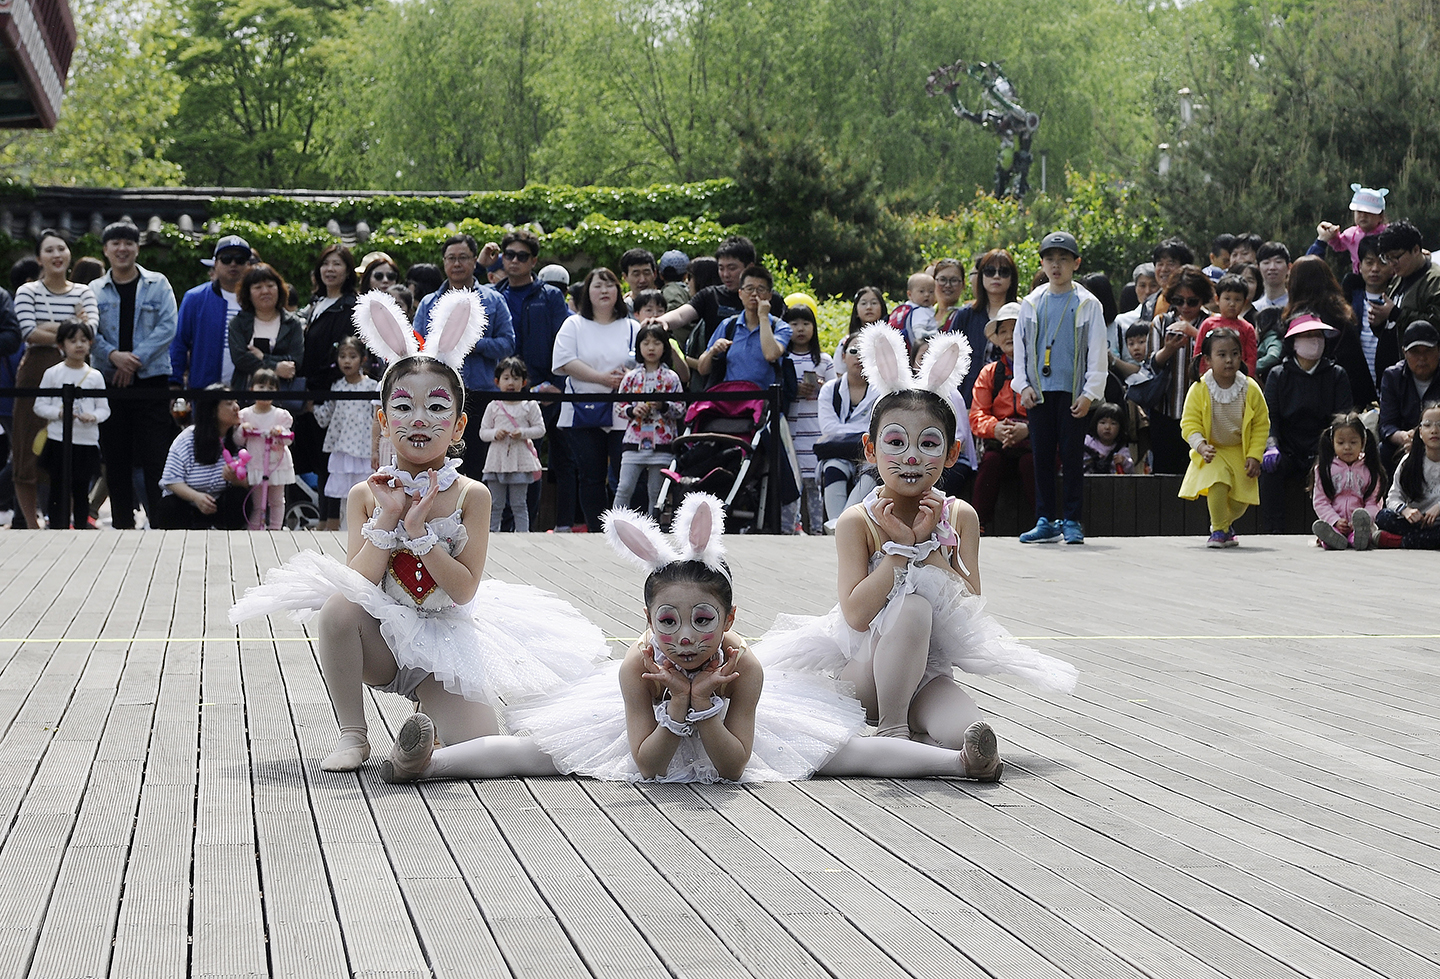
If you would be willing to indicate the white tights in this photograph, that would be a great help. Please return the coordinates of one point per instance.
(889, 684)
(352, 654)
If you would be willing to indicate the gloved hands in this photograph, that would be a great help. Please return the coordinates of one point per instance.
(1270, 461)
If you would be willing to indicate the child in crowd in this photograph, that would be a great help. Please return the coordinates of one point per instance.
(268, 431)
(1232, 295)
(1367, 212)
(910, 611)
(1060, 361)
(673, 267)
(1138, 349)
(813, 368)
(407, 611)
(868, 307)
(915, 317)
(997, 419)
(1220, 247)
(650, 426)
(650, 304)
(512, 463)
(1106, 451)
(1348, 485)
(404, 298)
(73, 337)
(686, 703)
(1226, 422)
(1411, 517)
(351, 432)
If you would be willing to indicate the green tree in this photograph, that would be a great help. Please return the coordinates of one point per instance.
(823, 215)
(115, 122)
(259, 76)
(1295, 102)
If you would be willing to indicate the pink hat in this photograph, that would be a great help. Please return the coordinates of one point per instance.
(1309, 323)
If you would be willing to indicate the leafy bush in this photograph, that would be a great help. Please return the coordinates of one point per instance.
(550, 207)
(1115, 224)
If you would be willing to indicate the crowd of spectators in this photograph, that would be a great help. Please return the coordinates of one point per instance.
(675, 322)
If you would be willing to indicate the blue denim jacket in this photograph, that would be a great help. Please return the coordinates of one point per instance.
(154, 324)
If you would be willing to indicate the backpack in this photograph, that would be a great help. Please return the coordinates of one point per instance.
(784, 371)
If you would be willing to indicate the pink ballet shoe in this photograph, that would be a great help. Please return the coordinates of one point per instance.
(410, 754)
(349, 754)
(981, 754)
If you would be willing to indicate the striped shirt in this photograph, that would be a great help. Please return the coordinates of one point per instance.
(35, 304)
(181, 467)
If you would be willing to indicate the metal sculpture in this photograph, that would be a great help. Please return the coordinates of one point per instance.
(1005, 118)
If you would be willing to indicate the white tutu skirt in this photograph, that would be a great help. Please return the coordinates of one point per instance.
(345, 471)
(510, 643)
(800, 722)
(962, 637)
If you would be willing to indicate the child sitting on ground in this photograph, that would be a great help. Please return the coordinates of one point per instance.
(1348, 485)
(1225, 421)
(1106, 452)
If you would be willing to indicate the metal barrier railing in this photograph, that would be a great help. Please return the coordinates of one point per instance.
(69, 393)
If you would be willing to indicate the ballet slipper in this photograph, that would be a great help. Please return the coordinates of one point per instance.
(349, 753)
(410, 754)
(980, 754)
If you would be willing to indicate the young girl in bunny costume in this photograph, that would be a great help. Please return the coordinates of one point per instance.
(407, 611)
(910, 610)
(688, 703)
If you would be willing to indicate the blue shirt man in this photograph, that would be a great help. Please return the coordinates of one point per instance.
(499, 339)
(757, 339)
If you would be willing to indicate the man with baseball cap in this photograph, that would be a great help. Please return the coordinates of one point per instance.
(200, 354)
(132, 349)
(1406, 386)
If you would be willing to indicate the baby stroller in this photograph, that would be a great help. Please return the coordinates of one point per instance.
(721, 452)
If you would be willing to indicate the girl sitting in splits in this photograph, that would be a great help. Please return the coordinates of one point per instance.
(910, 611)
(689, 702)
(407, 612)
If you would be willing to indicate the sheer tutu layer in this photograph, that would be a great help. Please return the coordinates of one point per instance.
(962, 637)
(800, 722)
(510, 643)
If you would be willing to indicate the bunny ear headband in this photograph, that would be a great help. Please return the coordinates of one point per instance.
(698, 535)
(456, 324)
(886, 365)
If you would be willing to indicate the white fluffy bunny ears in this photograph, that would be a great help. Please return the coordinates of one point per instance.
(887, 366)
(698, 535)
(457, 323)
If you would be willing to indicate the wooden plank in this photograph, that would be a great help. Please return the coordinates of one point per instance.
(1100, 515)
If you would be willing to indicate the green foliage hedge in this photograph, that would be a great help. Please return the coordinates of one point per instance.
(550, 207)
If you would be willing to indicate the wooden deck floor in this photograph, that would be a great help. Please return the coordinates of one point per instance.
(1244, 786)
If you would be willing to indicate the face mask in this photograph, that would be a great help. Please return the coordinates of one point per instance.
(1309, 348)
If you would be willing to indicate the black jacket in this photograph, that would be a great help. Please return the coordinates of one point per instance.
(323, 332)
(1302, 405)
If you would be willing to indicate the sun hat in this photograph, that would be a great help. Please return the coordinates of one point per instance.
(1368, 199)
(1010, 311)
(1309, 323)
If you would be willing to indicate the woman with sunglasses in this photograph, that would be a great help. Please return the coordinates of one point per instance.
(1172, 337)
(328, 319)
(998, 284)
(380, 272)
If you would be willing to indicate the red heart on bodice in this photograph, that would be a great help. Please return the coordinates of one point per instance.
(411, 575)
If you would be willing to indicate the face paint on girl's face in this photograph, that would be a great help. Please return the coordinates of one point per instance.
(911, 450)
(687, 623)
(421, 417)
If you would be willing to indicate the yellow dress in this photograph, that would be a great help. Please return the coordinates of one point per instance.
(1228, 466)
